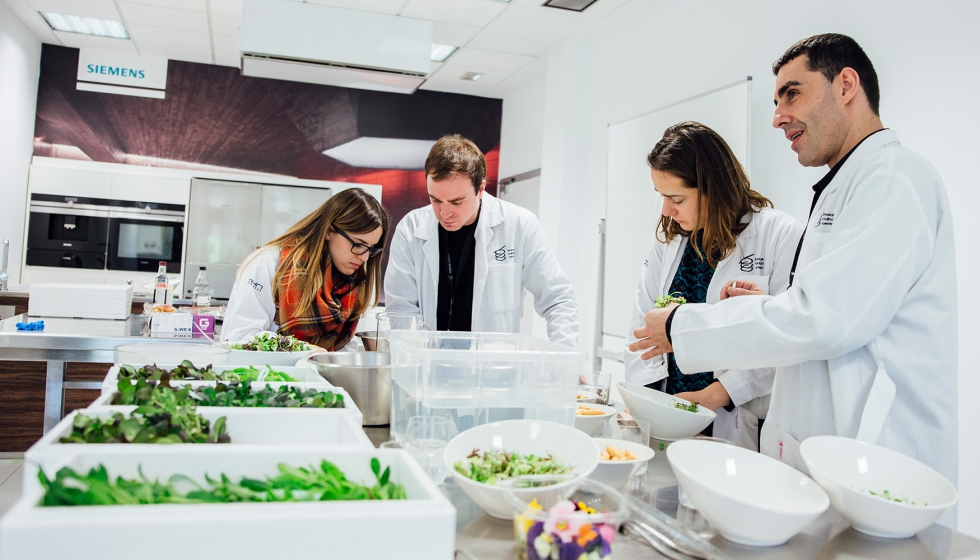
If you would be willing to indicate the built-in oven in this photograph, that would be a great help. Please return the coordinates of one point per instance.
(141, 234)
(67, 231)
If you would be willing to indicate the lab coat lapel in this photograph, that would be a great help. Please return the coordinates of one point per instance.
(429, 234)
(671, 253)
(490, 216)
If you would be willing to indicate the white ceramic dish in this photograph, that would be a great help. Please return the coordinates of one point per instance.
(849, 470)
(617, 473)
(591, 424)
(749, 498)
(667, 423)
(585, 396)
(572, 447)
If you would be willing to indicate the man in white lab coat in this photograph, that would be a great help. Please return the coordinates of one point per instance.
(865, 338)
(464, 262)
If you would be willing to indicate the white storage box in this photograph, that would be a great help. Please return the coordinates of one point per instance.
(303, 374)
(85, 301)
(422, 527)
(105, 399)
(477, 378)
(246, 426)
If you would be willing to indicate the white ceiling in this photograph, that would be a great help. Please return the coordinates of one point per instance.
(504, 41)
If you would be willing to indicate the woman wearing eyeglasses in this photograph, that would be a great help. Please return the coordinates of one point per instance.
(316, 280)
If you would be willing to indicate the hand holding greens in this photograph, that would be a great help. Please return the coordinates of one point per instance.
(663, 301)
(494, 466)
(292, 484)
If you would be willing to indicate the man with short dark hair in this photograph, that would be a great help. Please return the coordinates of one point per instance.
(865, 337)
(464, 264)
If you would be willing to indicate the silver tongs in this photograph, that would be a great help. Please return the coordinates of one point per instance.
(666, 535)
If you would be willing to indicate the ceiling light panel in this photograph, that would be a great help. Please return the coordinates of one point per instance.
(441, 52)
(471, 76)
(573, 5)
(86, 25)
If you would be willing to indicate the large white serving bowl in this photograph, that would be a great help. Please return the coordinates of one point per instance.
(749, 498)
(617, 473)
(567, 444)
(656, 407)
(591, 424)
(849, 470)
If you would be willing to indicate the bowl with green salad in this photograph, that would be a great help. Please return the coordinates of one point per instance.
(483, 459)
(268, 348)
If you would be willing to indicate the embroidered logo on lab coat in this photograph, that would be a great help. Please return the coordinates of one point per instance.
(503, 253)
(255, 285)
(826, 219)
(751, 262)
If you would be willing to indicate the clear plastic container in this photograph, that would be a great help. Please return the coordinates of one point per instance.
(478, 378)
(554, 520)
(143, 354)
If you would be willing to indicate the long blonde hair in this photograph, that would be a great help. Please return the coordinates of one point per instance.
(353, 211)
(702, 159)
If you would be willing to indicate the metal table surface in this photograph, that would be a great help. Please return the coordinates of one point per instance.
(73, 340)
(827, 538)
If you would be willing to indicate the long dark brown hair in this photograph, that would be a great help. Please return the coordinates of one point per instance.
(355, 212)
(702, 159)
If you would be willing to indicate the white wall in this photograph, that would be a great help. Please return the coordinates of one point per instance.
(20, 59)
(522, 130)
(925, 54)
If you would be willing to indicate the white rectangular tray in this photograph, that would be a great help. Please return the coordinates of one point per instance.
(422, 527)
(246, 426)
(303, 374)
(349, 406)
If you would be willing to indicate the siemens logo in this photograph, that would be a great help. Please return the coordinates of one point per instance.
(116, 71)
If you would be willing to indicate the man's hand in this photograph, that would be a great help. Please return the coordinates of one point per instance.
(741, 288)
(653, 335)
(713, 396)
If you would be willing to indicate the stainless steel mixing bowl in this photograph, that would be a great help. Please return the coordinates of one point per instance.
(366, 376)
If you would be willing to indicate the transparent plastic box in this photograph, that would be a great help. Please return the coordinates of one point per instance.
(477, 378)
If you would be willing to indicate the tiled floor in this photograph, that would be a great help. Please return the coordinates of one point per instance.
(10, 482)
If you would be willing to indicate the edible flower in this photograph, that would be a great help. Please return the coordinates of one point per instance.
(586, 534)
(582, 507)
(562, 521)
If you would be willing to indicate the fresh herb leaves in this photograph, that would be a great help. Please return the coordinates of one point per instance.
(186, 371)
(693, 407)
(494, 466)
(292, 484)
(231, 394)
(267, 342)
(663, 301)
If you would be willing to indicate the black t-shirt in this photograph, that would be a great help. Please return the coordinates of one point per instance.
(455, 307)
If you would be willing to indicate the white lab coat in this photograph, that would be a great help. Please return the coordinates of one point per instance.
(512, 253)
(764, 255)
(251, 309)
(865, 339)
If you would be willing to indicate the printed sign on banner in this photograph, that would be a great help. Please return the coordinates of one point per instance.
(120, 69)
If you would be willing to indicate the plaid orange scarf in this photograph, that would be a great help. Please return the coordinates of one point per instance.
(328, 323)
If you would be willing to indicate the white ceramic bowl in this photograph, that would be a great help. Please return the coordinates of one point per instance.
(617, 473)
(570, 446)
(667, 423)
(591, 424)
(586, 396)
(256, 358)
(849, 470)
(749, 498)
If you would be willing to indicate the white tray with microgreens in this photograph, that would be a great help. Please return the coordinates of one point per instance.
(188, 371)
(295, 502)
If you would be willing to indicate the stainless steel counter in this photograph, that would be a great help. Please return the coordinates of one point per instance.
(827, 538)
(72, 340)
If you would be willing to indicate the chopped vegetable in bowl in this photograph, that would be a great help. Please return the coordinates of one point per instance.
(267, 342)
(494, 466)
(693, 407)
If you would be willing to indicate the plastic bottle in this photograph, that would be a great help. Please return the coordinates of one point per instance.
(161, 286)
(202, 290)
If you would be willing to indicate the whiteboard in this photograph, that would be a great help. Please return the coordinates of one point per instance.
(632, 204)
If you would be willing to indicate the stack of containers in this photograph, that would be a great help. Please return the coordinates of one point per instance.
(478, 378)
(261, 439)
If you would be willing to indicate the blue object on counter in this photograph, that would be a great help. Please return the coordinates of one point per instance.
(32, 326)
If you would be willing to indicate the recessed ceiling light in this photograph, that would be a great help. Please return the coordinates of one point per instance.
(471, 76)
(86, 25)
(441, 52)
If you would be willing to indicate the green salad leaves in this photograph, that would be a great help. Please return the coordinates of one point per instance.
(186, 371)
(291, 484)
(493, 466)
(267, 342)
(663, 301)
(221, 394)
(693, 407)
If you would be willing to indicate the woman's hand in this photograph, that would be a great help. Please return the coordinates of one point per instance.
(713, 396)
(741, 288)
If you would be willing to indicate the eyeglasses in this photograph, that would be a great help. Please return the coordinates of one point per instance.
(360, 248)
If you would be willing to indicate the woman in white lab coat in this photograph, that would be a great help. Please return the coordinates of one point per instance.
(714, 232)
(277, 289)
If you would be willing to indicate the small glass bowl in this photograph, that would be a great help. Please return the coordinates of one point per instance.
(586, 520)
